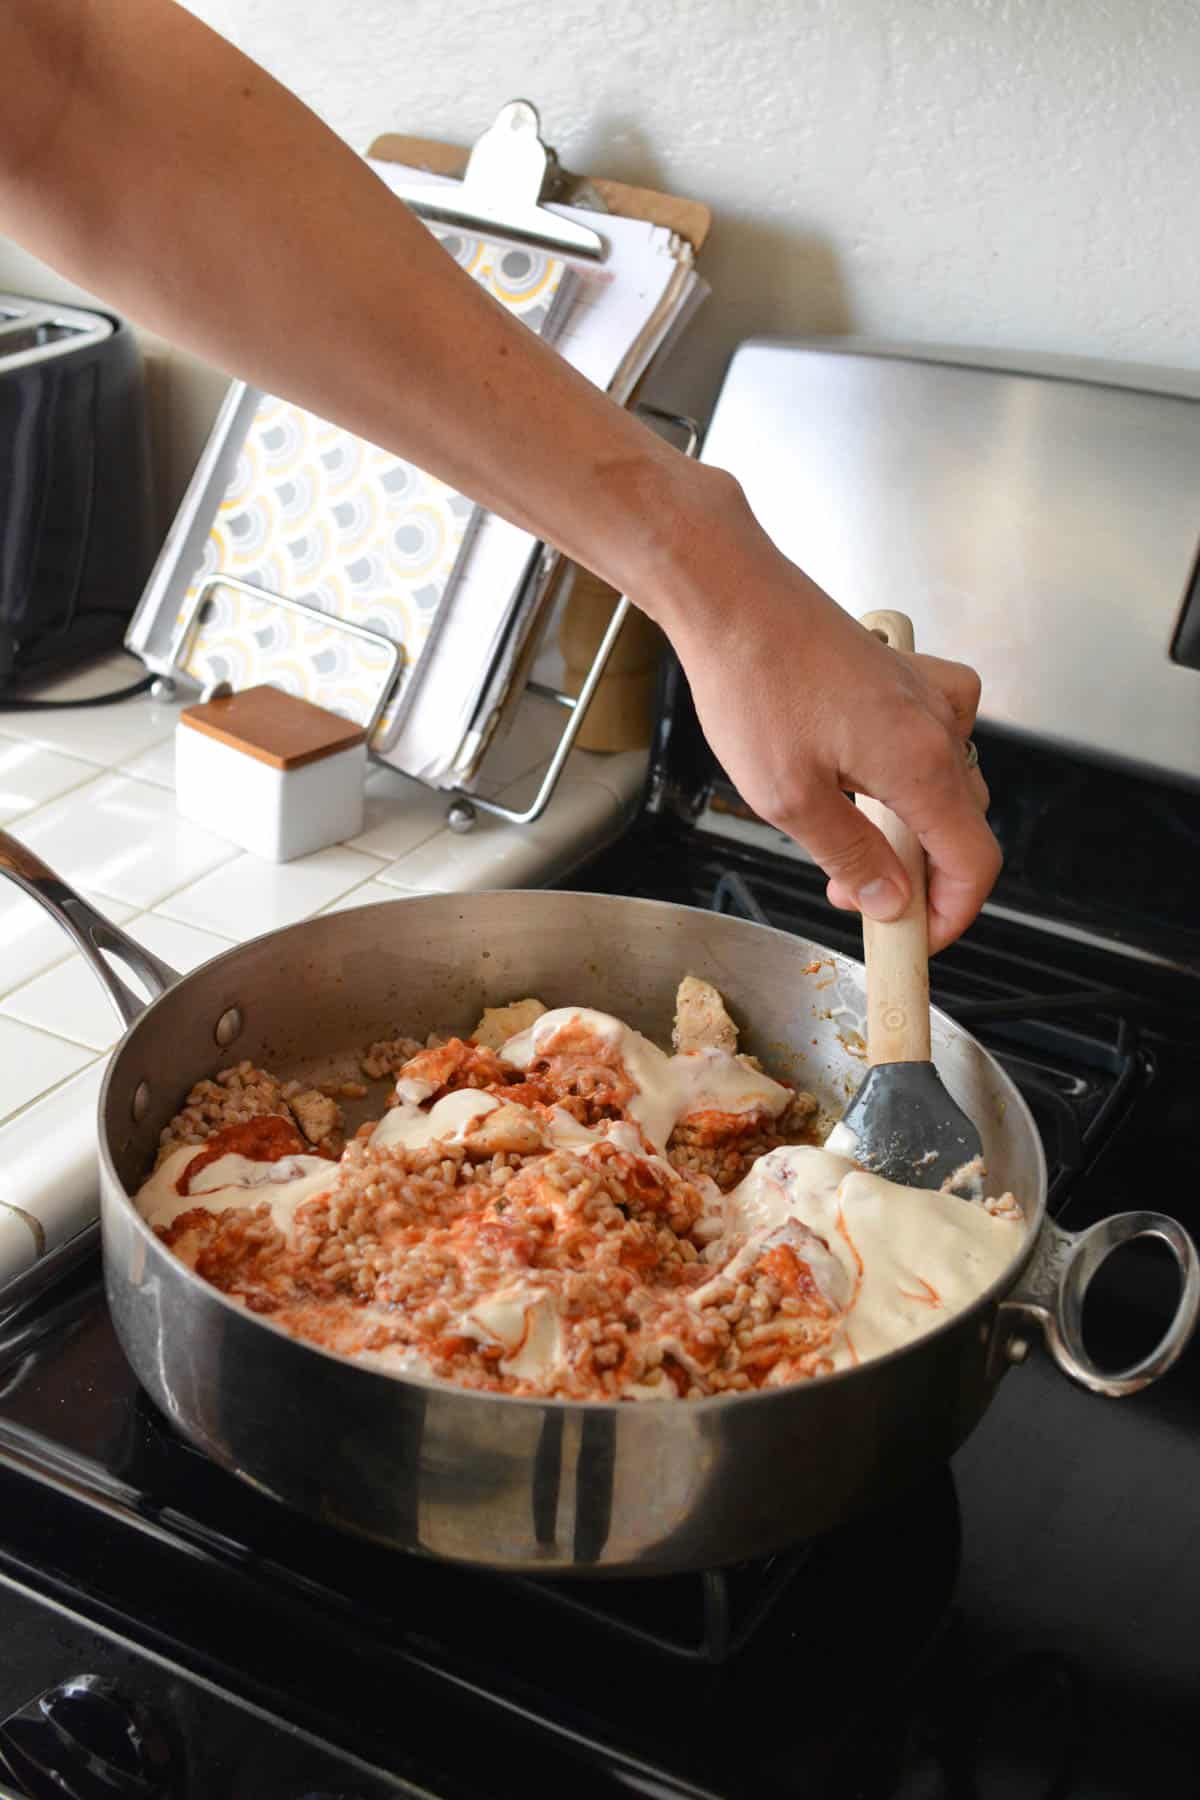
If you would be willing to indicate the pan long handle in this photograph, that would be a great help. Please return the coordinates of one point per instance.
(897, 953)
(89, 930)
(1049, 1298)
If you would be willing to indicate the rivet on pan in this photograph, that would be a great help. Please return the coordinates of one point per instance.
(461, 816)
(228, 1026)
(1017, 1349)
(141, 1101)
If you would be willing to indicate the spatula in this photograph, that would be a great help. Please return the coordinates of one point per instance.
(905, 1124)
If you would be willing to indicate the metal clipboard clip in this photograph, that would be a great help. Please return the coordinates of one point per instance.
(500, 193)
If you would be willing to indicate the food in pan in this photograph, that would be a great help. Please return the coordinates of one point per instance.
(557, 1206)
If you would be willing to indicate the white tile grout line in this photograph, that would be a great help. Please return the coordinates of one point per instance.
(146, 912)
(151, 912)
(338, 898)
(102, 768)
(102, 899)
(72, 949)
(60, 1037)
(96, 770)
(235, 850)
(96, 1056)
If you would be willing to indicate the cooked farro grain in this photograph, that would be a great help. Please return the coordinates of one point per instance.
(517, 1253)
(243, 1093)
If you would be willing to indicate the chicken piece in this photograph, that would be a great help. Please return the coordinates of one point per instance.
(499, 1023)
(701, 1022)
(509, 1130)
(454, 1064)
(317, 1115)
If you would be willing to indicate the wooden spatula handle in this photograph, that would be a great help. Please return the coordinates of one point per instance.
(897, 955)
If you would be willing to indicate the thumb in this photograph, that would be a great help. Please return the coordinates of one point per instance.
(862, 867)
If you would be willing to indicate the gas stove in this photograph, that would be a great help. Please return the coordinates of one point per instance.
(1023, 1628)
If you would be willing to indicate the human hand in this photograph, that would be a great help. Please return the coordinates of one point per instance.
(802, 705)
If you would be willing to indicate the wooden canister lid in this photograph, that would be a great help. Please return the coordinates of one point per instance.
(274, 727)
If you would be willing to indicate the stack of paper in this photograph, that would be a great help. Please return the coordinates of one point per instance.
(621, 315)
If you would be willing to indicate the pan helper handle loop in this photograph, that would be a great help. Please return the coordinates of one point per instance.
(1052, 1292)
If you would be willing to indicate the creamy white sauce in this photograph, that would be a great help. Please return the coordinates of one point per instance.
(831, 1276)
(895, 1261)
(413, 1089)
(394, 1359)
(562, 1131)
(720, 1081)
(842, 1141)
(525, 1321)
(565, 1132)
(779, 1186)
(910, 1257)
(669, 1088)
(407, 1127)
(235, 1181)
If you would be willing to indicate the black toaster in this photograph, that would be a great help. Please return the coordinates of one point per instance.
(76, 530)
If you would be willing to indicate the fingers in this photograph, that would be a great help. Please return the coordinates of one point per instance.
(954, 894)
(958, 685)
(861, 864)
(979, 789)
(963, 856)
(964, 861)
(945, 804)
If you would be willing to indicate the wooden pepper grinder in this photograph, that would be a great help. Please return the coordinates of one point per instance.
(621, 715)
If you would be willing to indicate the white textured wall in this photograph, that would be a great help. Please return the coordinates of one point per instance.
(1017, 173)
(1010, 173)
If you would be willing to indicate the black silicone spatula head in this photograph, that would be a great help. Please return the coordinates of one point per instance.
(905, 1124)
(908, 1128)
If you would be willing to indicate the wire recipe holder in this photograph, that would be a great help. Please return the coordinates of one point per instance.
(498, 194)
(394, 656)
(461, 814)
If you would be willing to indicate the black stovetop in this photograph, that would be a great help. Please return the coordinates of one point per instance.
(1022, 1628)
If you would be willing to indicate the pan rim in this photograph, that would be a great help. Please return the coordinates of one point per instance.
(114, 1192)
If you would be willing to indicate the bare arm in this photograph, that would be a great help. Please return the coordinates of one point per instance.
(144, 156)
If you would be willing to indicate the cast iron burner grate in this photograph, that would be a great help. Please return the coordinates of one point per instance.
(710, 1617)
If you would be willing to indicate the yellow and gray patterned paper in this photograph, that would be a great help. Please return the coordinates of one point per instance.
(319, 516)
(248, 638)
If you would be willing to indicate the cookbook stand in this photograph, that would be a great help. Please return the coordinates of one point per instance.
(506, 179)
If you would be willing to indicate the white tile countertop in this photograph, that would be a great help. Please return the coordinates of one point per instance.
(92, 791)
